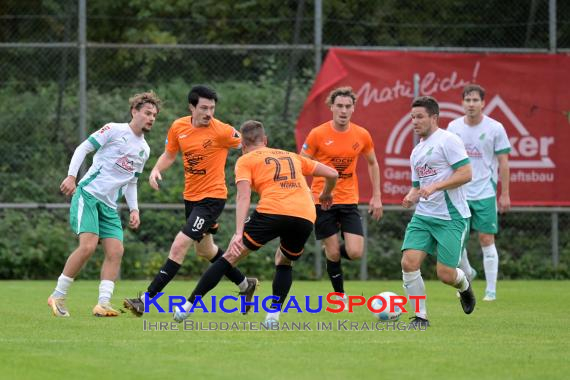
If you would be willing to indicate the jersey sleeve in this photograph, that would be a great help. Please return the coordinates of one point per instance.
(502, 143)
(415, 177)
(243, 170)
(310, 145)
(102, 136)
(171, 143)
(455, 152)
(231, 138)
(308, 166)
(367, 140)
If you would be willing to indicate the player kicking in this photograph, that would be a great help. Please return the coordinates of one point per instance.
(285, 210)
(204, 143)
(440, 167)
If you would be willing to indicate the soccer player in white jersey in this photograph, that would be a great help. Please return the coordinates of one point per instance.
(488, 148)
(121, 152)
(440, 167)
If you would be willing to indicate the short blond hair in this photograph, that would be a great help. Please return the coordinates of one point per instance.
(252, 132)
(340, 91)
(139, 100)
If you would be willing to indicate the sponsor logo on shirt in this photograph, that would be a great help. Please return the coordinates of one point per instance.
(473, 151)
(341, 164)
(192, 160)
(124, 164)
(425, 171)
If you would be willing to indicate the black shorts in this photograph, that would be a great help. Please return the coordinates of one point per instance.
(201, 217)
(294, 232)
(345, 218)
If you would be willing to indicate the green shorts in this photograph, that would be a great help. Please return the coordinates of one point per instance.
(88, 214)
(426, 234)
(484, 215)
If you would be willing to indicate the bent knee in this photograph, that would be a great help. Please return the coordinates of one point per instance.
(354, 253)
(447, 276)
(409, 265)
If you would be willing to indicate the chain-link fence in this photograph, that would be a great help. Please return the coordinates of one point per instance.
(68, 67)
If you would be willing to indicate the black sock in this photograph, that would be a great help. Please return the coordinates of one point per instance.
(233, 274)
(210, 278)
(334, 270)
(343, 252)
(282, 284)
(163, 277)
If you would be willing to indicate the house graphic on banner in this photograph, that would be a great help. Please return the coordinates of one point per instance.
(528, 152)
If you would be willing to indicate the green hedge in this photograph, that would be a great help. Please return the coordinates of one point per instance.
(34, 244)
(37, 145)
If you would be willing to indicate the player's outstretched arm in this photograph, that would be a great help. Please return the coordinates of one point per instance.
(331, 176)
(411, 198)
(375, 207)
(165, 161)
(236, 250)
(68, 185)
(131, 196)
(505, 176)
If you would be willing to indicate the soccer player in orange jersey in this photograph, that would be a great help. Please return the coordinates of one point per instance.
(338, 143)
(204, 143)
(285, 210)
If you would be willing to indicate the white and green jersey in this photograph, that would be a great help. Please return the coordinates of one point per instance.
(119, 160)
(483, 143)
(433, 160)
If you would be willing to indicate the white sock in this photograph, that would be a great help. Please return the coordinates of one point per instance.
(464, 264)
(461, 282)
(414, 286)
(243, 285)
(274, 316)
(187, 306)
(106, 288)
(63, 284)
(491, 264)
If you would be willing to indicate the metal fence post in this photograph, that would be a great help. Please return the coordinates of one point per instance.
(82, 44)
(364, 259)
(416, 79)
(318, 260)
(554, 238)
(318, 35)
(552, 25)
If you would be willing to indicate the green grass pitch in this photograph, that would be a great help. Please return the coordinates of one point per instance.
(523, 335)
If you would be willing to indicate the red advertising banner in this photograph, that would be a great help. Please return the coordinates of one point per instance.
(528, 93)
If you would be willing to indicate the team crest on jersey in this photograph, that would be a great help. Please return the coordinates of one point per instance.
(482, 137)
(425, 171)
(141, 153)
(206, 143)
(355, 146)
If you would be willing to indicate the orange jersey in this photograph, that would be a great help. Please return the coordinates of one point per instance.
(278, 177)
(204, 152)
(339, 150)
